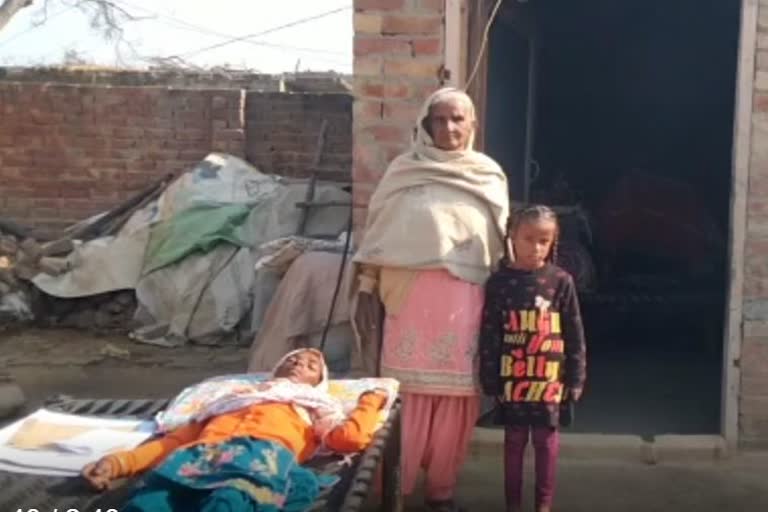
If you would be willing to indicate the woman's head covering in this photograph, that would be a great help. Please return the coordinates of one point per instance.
(448, 94)
(323, 384)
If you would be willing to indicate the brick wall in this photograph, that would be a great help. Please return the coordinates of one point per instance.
(282, 133)
(70, 151)
(753, 406)
(397, 63)
(67, 152)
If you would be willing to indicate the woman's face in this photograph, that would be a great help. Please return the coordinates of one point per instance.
(305, 367)
(449, 125)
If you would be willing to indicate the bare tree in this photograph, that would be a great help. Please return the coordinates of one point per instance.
(105, 15)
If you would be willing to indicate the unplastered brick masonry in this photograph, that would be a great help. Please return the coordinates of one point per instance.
(753, 401)
(398, 62)
(68, 151)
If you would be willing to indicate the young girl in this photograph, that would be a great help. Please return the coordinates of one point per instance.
(532, 351)
(245, 453)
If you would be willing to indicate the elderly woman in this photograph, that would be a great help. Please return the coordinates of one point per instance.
(435, 227)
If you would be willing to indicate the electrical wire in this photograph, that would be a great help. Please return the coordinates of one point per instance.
(484, 43)
(265, 32)
(185, 25)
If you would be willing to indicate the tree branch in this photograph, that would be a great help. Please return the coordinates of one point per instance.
(106, 16)
(9, 9)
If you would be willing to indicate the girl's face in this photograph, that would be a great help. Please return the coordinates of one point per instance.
(532, 242)
(306, 367)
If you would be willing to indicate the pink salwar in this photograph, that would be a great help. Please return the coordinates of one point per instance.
(437, 431)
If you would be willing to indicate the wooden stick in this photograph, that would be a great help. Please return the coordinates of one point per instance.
(95, 228)
(115, 226)
(14, 228)
(313, 179)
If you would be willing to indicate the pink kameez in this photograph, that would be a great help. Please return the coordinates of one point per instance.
(430, 346)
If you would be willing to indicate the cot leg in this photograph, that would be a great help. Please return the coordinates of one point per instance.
(392, 491)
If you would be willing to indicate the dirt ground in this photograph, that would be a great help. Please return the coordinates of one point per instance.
(49, 362)
(60, 361)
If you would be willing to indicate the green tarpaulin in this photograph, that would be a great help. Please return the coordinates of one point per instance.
(197, 229)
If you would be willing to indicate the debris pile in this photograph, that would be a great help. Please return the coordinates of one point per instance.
(106, 312)
(23, 258)
(193, 259)
(25, 254)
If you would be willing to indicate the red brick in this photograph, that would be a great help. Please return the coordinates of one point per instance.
(374, 88)
(754, 357)
(379, 5)
(74, 191)
(400, 111)
(363, 173)
(359, 216)
(407, 25)
(761, 102)
(412, 68)
(430, 46)
(392, 151)
(380, 46)
(432, 5)
(361, 194)
(368, 111)
(387, 134)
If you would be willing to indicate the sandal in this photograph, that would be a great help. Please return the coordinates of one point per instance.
(444, 506)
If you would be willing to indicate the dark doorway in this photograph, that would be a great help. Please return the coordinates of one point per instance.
(621, 115)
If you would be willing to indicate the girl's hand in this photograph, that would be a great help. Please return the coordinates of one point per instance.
(576, 394)
(98, 474)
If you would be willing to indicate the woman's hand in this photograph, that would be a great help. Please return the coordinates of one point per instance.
(379, 392)
(98, 474)
(365, 316)
(576, 394)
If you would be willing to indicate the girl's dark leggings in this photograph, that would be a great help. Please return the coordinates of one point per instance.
(546, 445)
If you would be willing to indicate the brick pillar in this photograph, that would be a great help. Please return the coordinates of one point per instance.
(398, 58)
(753, 399)
(228, 122)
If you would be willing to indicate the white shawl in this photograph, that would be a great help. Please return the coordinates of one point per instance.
(438, 209)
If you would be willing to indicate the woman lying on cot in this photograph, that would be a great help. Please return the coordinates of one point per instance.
(244, 452)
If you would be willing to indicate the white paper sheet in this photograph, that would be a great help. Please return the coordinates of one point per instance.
(56, 462)
(101, 440)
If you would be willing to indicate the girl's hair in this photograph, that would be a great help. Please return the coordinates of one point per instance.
(532, 213)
